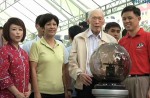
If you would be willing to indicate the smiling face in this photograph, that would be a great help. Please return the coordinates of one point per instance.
(130, 20)
(15, 33)
(96, 21)
(50, 28)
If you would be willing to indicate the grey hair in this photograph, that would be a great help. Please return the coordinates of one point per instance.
(97, 10)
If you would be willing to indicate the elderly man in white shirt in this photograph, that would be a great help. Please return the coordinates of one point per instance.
(82, 48)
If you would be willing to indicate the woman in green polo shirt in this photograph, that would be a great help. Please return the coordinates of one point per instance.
(49, 62)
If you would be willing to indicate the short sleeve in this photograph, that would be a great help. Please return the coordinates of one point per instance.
(34, 53)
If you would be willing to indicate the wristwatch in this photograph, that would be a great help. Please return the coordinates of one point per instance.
(78, 74)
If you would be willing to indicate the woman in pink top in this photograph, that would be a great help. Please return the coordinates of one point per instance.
(14, 63)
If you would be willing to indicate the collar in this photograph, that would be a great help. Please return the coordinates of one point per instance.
(10, 44)
(139, 33)
(37, 38)
(90, 33)
(43, 41)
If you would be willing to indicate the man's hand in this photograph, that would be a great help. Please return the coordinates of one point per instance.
(148, 94)
(86, 79)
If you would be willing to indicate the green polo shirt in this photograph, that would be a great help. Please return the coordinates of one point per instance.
(49, 68)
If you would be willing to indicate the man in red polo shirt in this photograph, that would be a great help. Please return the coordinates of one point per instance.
(137, 43)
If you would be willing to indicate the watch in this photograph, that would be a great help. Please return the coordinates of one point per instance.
(78, 74)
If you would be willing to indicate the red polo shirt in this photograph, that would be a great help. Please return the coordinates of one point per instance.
(138, 48)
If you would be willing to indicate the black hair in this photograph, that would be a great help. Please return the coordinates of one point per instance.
(7, 25)
(84, 24)
(110, 25)
(1, 27)
(74, 30)
(46, 18)
(132, 8)
(124, 32)
(38, 19)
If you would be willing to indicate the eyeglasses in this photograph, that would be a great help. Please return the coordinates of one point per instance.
(97, 18)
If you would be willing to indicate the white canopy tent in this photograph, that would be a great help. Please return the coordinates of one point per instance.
(69, 12)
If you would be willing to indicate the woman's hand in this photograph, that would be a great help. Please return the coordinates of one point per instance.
(20, 95)
(27, 94)
(68, 94)
(37, 95)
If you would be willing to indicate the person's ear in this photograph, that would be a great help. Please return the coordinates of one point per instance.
(139, 18)
(88, 22)
(103, 21)
(42, 29)
(36, 25)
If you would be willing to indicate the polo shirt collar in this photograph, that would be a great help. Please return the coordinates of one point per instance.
(138, 33)
(43, 41)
